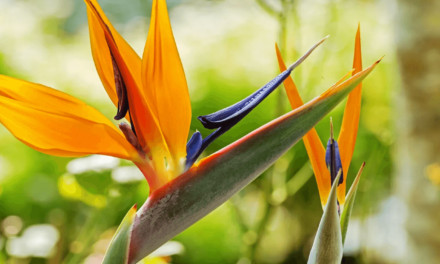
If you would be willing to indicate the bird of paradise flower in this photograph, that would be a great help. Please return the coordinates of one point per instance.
(336, 158)
(320, 158)
(152, 94)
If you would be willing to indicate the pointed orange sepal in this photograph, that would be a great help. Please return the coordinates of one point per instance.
(58, 124)
(350, 121)
(164, 83)
(312, 142)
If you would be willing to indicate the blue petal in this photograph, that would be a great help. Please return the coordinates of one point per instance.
(225, 119)
(193, 148)
(234, 113)
(204, 144)
(338, 162)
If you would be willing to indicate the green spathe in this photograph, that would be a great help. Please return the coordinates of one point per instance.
(327, 247)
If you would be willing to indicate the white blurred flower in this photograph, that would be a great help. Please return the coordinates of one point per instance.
(92, 163)
(162, 254)
(168, 249)
(36, 241)
(94, 259)
(127, 174)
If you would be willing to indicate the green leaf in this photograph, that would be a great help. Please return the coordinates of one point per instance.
(194, 194)
(349, 201)
(327, 247)
(117, 251)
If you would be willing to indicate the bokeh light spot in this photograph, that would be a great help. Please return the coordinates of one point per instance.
(12, 225)
(76, 247)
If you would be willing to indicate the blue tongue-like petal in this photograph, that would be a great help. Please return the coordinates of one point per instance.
(234, 113)
(337, 161)
(225, 119)
(193, 147)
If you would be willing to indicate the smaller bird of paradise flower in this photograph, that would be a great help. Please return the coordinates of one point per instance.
(336, 157)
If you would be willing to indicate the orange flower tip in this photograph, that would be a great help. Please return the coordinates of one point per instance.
(362, 167)
(132, 138)
(107, 29)
(298, 62)
(358, 176)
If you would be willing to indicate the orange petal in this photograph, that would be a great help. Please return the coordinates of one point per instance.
(165, 84)
(57, 124)
(146, 124)
(49, 99)
(350, 122)
(312, 142)
(101, 52)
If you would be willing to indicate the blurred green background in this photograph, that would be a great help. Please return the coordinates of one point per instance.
(59, 210)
